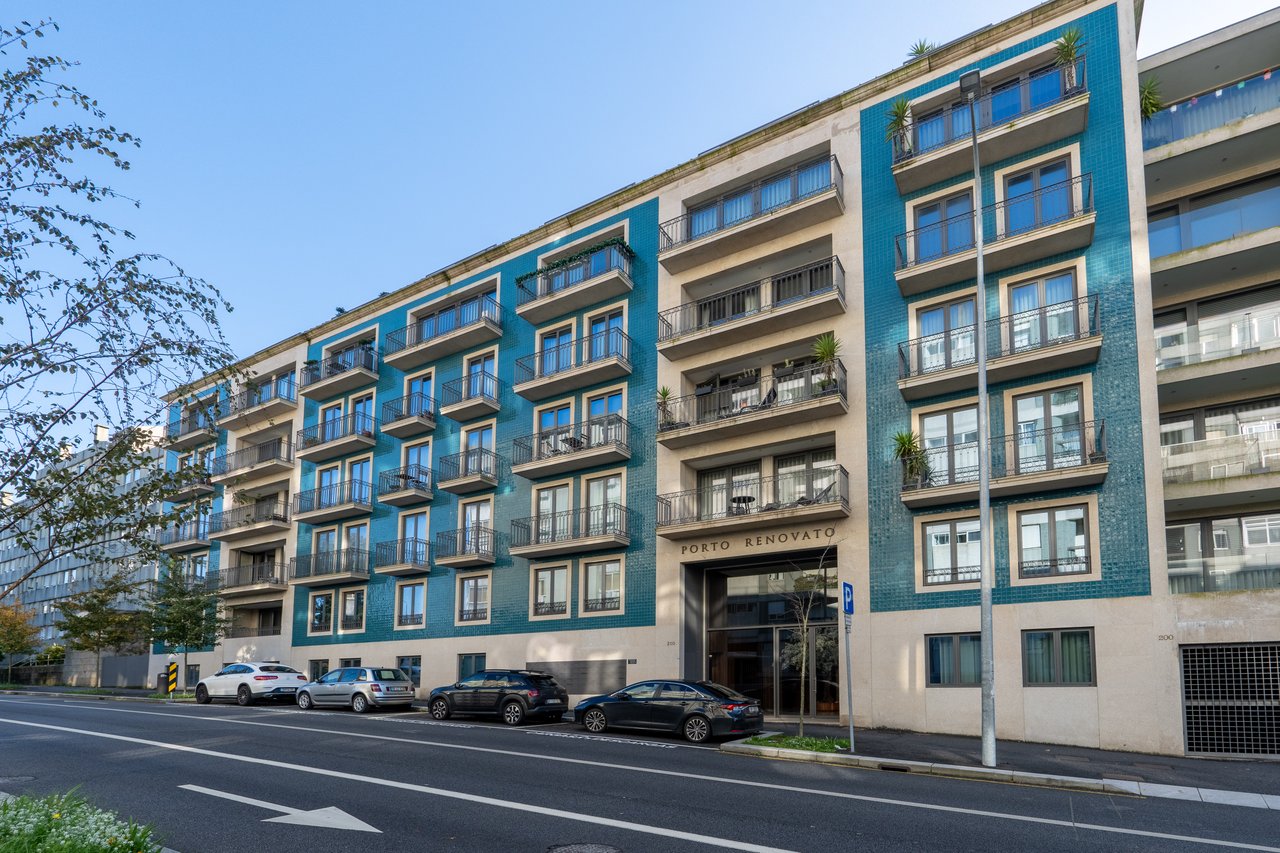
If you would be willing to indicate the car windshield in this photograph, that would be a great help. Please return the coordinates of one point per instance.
(389, 675)
(277, 669)
(720, 691)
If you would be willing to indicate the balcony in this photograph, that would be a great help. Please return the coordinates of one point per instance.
(1259, 568)
(405, 486)
(1225, 471)
(586, 444)
(470, 471)
(571, 532)
(604, 273)
(1052, 220)
(332, 502)
(193, 428)
(1056, 337)
(1062, 457)
(568, 367)
(188, 536)
(269, 458)
(782, 301)
(1239, 350)
(469, 397)
(243, 632)
(801, 196)
(244, 522)
(478, 613)
(1237, 124)
(276, 398)
(754, 404)
(339, 372)
(252, 580)
(465, 548)
(194, 486)
(409, 416)
(328, 568)
(336, 437)
(402, 557)
(451, 330)
(755, 503)
(1046, 107)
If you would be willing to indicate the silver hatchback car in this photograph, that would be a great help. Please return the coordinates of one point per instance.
(358, 688)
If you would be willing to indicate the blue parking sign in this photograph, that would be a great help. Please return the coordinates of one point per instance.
(846, 589)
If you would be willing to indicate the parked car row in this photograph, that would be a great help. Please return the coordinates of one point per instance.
(697, 710)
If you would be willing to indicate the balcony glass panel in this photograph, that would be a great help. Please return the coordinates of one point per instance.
(1224, 554)
(1212, 338)
(1193, 116)
(1232, 213)
(1254, 452)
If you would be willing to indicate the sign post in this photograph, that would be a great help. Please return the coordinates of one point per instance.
(846, 595)
(173, 678)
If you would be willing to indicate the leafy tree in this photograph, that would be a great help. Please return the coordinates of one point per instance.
(95, 620)
(184, 614)
(88, 328)
(807, 594)
(18, 633)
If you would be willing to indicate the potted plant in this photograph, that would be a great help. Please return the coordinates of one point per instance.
(747, 379)
(707, 386)
(1067, 52)
(920, 48)
(665, 421)
(898, 130)
(826, 352)
(1149, 100)
(785, 370)
(915, 462)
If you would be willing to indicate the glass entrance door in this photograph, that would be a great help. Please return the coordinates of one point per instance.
(820, 685)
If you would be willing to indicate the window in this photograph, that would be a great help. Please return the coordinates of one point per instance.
(409, 609)
(360, 481)
(353, 610)
(1037, 197)
(1049, 430)
(952, 551)
(473, 598)
(728, 491)
(602, 494)
(330, 423)
(362, 415)
(948, 335)
(476, 458)
(349, 662)
(1242, 553)
(556, 348)
(411, 665)
(603, 586)
(418, 390)
(1053, 542)
(321, 613)
(951, 445)
(476, 533)
(416, 536)
(551, 591)
(317, 668)
(646, 690)
(198, 568)
(480, 380)
(555, 511)
(469, 665)
(606, 336)
(955, 660)
(806, 478)
(944, 227)
(1044, 311)
(192, 676)
(775, 191)
(1057, 657)
(356, 537)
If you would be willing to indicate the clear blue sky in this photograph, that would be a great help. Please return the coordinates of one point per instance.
(303, 156)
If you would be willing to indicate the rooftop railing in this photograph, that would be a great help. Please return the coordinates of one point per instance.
(591, 434)
(551, 282)
(608, 519)
(1223, 336)
(354, 357)
(337, 428)
(1192, 116)
(753, 394)
(318, 565)
(751, 495)
(1033, 451)
(467, 313)
(259, 512)
(1221, 457)
(609, 344)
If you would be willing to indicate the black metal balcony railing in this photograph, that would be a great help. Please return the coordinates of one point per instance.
(402, 552)
(463, 315)
(476, 462)
(550, 608)
(247, 516)
(335, 429)
(760, 297)
(473, 386)
(240, 632)
(190, 531)
(473, 614)
(1038, 451)
(353, 622)
(407, 619)
(343, 561)
(1039, 91)
(1057, 566)
(332, 495)
(602, 604)
(268, 573)
(467, 541)
(409, 406)
(752, 395)
(549, 283)
(1026, 331)
(952, 574)
(611, 343)
(608, 519)
(195, 420)
(749, 496)
(337, 363)
(764, 197)
(402, 479)
(591, 434)
(1013, 217)
(281, 388)
(277, 450)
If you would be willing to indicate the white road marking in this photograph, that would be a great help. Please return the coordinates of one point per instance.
(329, 817)
(722, 780)
(694, 837)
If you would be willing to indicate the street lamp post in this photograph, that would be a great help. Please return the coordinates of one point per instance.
(970, 85)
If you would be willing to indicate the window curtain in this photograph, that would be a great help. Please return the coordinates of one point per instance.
(1077, 657)
(1037, 655)
(942, 668)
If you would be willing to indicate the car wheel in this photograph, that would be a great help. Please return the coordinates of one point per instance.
(304, 701)
(359, 703)
(696, 729)
(513, 713)
(440, 709)
(244, 696)
(595, 721)
(202, 695)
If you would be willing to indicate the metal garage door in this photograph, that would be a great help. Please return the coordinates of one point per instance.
(1231, 699)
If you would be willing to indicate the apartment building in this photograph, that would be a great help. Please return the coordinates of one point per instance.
(650, 437)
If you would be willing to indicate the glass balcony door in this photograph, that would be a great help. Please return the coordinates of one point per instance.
(951, 445)
(1043, 311)
(601, 492)
(476, 519)
(554, 505)
(557, 351)
(948, 336)
(1049, 430)
(944, 228)
(1037, 197)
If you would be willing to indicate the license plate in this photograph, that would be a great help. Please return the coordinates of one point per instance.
(555, 702)
(288, 689)
(397, 689)
(753, 709)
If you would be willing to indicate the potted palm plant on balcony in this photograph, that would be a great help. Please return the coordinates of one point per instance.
(1149, 100)
(665, 421)
(898, 130)
(1067, 51)
(826, 352)
(915, 462)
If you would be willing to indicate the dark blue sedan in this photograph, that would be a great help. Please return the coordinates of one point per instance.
(696, 709)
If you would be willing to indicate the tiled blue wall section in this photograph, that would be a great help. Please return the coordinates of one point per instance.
(1122, 497)
(510, 577)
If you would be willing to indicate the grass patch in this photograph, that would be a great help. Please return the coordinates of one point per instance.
(809, 744)
(64, 823)
(178, 696)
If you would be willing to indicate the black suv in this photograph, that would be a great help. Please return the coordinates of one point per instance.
(513, 694)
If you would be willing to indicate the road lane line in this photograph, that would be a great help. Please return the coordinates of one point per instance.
(722, 781)
(694, 837)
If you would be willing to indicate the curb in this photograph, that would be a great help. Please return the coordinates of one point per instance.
(101, 696)
(925, 768)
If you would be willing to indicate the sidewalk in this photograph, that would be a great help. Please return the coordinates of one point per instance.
(1256, 776)
(104, 692)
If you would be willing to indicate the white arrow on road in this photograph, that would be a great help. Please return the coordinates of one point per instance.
(329, 817)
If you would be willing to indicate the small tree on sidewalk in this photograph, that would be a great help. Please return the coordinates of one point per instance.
(184, 614)
(807, 598)
(95, 620)
(18, 633)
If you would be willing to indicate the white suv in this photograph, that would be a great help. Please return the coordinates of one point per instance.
(251, 680)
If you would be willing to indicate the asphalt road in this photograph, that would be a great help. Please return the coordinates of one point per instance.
(475, 786)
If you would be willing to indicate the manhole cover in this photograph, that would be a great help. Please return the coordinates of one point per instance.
(7, 779)
(582, 848)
